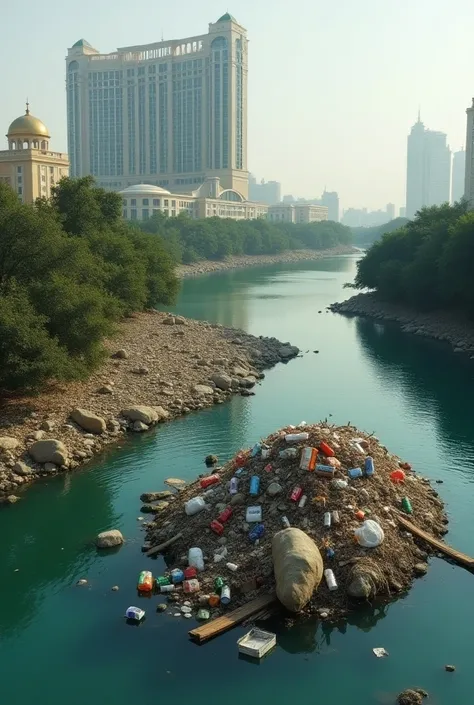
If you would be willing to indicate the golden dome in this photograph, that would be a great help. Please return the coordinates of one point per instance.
(27, 126)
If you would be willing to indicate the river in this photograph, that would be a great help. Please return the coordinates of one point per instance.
(62, 643)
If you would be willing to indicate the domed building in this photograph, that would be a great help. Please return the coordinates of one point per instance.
(28, 165)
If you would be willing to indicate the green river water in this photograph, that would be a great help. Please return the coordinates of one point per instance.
(65, 644)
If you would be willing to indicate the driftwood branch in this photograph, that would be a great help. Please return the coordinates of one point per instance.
(161, 547)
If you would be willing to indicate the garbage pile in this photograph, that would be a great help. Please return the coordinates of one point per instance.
(309, 512)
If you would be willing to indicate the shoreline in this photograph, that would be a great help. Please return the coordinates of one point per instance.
(243, 261)
(160, 367)
(444, 326)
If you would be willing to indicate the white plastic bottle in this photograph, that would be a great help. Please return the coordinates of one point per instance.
(330, 579)
(196, 558)
(194, 505)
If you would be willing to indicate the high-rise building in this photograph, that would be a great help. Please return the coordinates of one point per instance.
(390, 209)
(428, 169)
(330, 199)
(268, 192)
(469, 174)
(171, 114)
(28, 165)
(402, 212)
(459, 172)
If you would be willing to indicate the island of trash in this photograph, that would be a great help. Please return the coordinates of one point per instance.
(310, 514)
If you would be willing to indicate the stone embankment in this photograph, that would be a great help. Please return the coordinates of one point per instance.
(243, 261)
(440, 325)
(161, 366)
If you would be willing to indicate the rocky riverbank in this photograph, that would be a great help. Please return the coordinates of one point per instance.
(242, 261)
(161, 366)
(441, 325)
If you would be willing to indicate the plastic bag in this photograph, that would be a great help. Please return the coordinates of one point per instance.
(369, 534)
(195, 558)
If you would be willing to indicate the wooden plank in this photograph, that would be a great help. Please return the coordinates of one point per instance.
(231, 619)
(457, 556)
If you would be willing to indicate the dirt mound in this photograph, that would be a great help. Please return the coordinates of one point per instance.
(364, 572)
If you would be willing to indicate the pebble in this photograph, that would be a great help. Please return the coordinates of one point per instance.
(140, 518)
(177, 614)
(186, 610)
(161, 607)
(187, 616)
(187, 603)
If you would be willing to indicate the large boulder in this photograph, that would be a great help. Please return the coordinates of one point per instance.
(146, 414)
(287, 351)
(21, 468)
(50, 451)
(298, 567)
(202, 389)
(222, 381)
(109, 539)
(88, 421)
(153, 496)
(8, 443)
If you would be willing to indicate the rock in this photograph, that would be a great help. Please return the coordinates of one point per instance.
(121, 355)
(180, 321)
(211, 460)
(12, 499)
(202, 389)
(108, 539)
(169, 321)
(273, 489)
(237, 500)
(359, 587)
(239, 372)
(50, 451)
(153, 496)
(88, 421)
(298, 567)
(219, 507)
(47, 426)
(139, 426)
(154, 508)
(248, 382)
(162, 607)
(287, 351)
(50, 467)
(410, 697)
(113, 425)
(222, 381)
(450, 668)
(106, 389)
(146, 414)
(21, 468)
(141, 371)
(36, 435)
(222, 541)
(420, 569)
(8, 443)
(175, 482)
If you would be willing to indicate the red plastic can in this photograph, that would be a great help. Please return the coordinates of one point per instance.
(190, 573)
(327, 450)
(217, 527)
(225, 515)
(296, 494)
(209, 480)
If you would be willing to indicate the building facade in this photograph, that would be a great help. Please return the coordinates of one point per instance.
(297, 213)
(170, 114)
(28, 165)
(330, 199)
(268, 192)
(458, 177)
(428, 169)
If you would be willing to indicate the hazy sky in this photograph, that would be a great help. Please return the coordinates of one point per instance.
(333, 87)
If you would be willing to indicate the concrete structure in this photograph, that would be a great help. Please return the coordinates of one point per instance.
(330, 199)
(171, 114)
(428, 169)
(142, 201)
(297, 213)
(268, 192)
(390, 210)
(28, 166)
(458, 177)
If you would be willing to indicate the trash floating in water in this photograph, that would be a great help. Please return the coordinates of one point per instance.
(135, 614)
(380, 652)
(256, 643)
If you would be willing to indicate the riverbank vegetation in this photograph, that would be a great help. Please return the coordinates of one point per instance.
(365, 237)
(69, 269)
(427, 264)
(190, 240)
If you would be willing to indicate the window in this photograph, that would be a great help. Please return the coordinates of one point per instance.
(145, 214)
(173, 213)
(133, 202)
(145, 202)
(166, 203)
(133, 214)
(20, 190)
(156, 201)
(124, 212)
(19, 169)
(173, 204)
(19, 179)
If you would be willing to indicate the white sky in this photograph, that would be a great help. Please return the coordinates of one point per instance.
(333, 87)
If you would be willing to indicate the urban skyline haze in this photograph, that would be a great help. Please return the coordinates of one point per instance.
(351, 93)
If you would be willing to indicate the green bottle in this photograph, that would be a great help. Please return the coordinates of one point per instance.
(406, 506)
(162, 580)
(218, 584)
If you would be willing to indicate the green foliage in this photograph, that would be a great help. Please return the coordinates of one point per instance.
(428, 263)
(69, 269)
(364, 237)
(190, 240)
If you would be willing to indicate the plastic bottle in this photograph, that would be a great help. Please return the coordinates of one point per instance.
(145, 581)
(326, 449)
(214, 600)
(296, 437)
(217, 527)
(167, 588)
(330, 553)
(327, 519)
(191, 586)
(194, 505)
(254, 485)
(190, 573)
(177, 576)
(256, 450)
(324, 470)
(206, 482)
(296, 494)
(303, 501)
(354, 473)
(335, 517)
(285, 521)
(225, 515)
(234, 485)
(308, 458)
(225, 595)
(256, 533)
(253, 514)
(196, 558)
(218, 584)
(232, 566)
(330, 579)
(406, 506)
(265, 452)
(163, 580)
(369, 466)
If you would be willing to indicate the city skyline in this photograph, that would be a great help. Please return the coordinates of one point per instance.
(309, 147)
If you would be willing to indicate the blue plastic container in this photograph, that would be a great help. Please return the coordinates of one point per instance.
(177, 576)
(254, 485)
(369, 466)
(354, 473)
(257, 532)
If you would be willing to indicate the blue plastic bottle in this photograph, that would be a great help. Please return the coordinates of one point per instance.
(354, 472)
(369, 466)
(254, 485)
(257, 532)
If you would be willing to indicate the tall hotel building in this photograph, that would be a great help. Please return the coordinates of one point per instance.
(169, 114)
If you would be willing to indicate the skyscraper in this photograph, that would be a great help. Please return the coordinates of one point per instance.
(469, 174)
(172, 114)
(459, 173)
(428, 169)
(330, 199)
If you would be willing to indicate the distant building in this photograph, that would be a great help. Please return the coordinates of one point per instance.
(330, 199)
(264, 192)
(142, 201)
(288, 198)
(29, 166)
(390, 209)
(459, 175)
(363, 218)
(297, 213)
(170, 113)
(428, 169)
(402, 212)
(469, 175)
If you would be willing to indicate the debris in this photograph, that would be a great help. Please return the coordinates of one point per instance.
(256, 643)
(211, 460)
(82, 581)
(450, 668)
(380, 652)
(115, 588)
(135, 614)
(161, 607)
